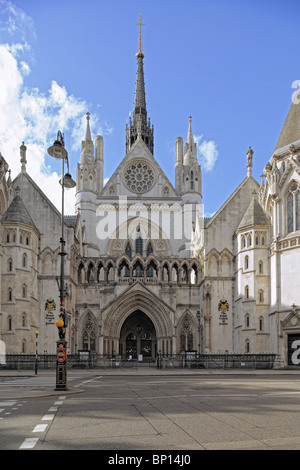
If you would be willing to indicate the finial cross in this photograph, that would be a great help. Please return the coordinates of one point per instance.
(140, 24)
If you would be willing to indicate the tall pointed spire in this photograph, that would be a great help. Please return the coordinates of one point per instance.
(140, 96)
(88, 131)
(139, 126)
(190, 148)
(87, 145)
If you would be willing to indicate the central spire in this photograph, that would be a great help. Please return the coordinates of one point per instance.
(140, 95)
(139, 126)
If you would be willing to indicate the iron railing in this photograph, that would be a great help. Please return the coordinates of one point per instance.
(86, 360)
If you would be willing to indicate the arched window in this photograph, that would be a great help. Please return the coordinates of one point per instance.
(9, 294)
(24, 346)
(81, 273)
(124, 269)
(24, 260)
(165, 273)
(293, 208)
(243, 241)
(261, 323)
(151, 269)
(246, 262)
(247, 346)
(128, 251)
(247, 320)
(247, 292)
(100, 273)
(192, 179)
(91, 273)
(138, 270)
(139, 243)
(149, 249)
(174, 273)
(24, 291)
(88, 334)
(110, 272)
(10, 265)
(184, 273)
(9, 324)
(260, 267)
(194, 274)
(261, 296)
(24, 320)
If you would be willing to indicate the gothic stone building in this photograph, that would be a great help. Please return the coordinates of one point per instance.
(145, 272)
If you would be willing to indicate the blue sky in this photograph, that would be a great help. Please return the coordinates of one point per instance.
(231, 64)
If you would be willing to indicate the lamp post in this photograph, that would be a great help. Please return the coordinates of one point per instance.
(198, 315)
(58, 151)
(36, 352)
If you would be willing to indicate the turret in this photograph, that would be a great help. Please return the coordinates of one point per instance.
(187, 169)
(99, 163)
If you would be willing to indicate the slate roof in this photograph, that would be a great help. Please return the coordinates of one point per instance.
(17, 212)
(290, 131)
(254, 215)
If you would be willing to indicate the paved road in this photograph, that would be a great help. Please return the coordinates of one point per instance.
(160, 412)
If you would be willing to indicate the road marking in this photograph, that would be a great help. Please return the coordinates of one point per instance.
(47, 417)
(40, 428)
(58, 403)
(53, 409)
(7, 403)
(29, 443)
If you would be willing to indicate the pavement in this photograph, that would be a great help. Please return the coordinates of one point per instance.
(18, 384)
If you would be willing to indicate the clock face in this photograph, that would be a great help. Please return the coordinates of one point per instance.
(139, 177)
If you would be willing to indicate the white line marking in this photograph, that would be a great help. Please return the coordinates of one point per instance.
(7, 403)
(58, 403)
(40, 428)
(47, 417)
(29, 443)
(53, 409)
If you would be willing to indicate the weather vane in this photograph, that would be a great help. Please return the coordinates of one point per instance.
(140, 24)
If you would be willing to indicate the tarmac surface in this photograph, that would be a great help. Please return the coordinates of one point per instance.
(145, 408)
(43, 383)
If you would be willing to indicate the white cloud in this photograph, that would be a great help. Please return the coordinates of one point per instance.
(33, 117)
(29, 115)
(208, 152)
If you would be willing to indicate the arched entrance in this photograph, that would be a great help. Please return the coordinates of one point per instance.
(138, 336)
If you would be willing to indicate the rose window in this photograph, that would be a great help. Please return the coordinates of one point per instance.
(139, 177)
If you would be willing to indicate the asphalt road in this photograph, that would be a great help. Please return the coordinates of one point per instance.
(156, 413)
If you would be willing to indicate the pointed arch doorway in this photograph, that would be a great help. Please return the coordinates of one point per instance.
(138, 337)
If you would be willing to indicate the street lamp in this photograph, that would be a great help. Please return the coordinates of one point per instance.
(198, 315)
(36, 352)
(58, 151)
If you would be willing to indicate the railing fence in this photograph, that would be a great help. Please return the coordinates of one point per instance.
(86, 360)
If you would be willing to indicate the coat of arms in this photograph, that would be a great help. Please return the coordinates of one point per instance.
(223, 309)
(50, 305)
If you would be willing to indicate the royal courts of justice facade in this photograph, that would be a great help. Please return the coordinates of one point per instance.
(145, 272)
